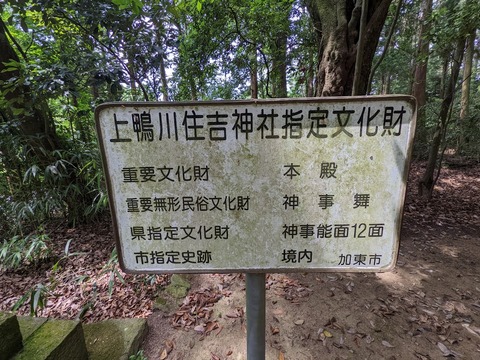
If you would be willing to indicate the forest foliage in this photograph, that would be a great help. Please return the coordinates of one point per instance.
(59, 59)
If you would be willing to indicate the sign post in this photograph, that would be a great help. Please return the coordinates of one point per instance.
(257, 186)
(255, 286)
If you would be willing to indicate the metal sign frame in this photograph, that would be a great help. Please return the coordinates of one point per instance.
(371, 117)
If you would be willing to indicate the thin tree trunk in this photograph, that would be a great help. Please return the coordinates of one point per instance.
(193, 88)
(465, 101)
(386, 84)
(131, 71)
(420, 72)
(360, 48)
(443, 79)
(253, 72)
(163, 78)
(310, 77)
(385, 48)
(427, 183)
(279, 66)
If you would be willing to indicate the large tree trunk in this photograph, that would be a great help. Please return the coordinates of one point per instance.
(32, 111)
(337, 25)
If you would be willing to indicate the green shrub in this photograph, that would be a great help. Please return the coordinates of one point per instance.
(23, 249)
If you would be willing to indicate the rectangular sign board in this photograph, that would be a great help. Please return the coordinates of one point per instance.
(257, 185)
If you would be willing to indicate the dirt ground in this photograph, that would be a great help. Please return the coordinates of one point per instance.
(428, 307)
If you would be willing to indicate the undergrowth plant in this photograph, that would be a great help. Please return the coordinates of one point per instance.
(61, 184)
(22, 249)
(36, 297)
(111, 268)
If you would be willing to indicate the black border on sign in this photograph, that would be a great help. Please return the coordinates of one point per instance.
(355, 99)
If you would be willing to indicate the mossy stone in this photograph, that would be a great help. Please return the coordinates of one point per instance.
(162, 304)
(114, 339)
(11, 337)
(178, 287)
(55, 340)
(29, 324)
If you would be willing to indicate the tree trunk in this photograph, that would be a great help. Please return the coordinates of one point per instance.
(253, 73)
(163, 76)
(131, 70)
(193, 88)
(443, 79)
(279, 66)
(360, 47)
(420, 77)
(385, 48)
(427, 182)
(386, 81)
(465, 101)
(310, 76)
(337, 25)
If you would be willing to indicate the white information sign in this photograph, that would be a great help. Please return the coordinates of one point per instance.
(257, 186)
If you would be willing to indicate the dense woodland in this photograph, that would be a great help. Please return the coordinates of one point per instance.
(61, 58)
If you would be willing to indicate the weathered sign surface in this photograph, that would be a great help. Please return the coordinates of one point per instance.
(261, 185)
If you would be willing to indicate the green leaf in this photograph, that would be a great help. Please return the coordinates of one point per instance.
(135, 5)
(67, 247)
(37, 299)
(20, 301)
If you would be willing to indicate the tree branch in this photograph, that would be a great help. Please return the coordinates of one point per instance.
(17, 45)
(112, 52)
(265, 60)
(385, 49)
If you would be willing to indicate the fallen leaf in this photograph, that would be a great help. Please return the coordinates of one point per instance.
(210, 326)
(281, 356)
(331, 322)
(274, 330)
(199, 328)
(387, 344)
(472, 329)
(447, 352)
(169, 345)
(327, 333)
(164, 354)
(277, 312)
(444, 349)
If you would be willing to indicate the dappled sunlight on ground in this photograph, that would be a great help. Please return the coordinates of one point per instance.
(449, 250)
